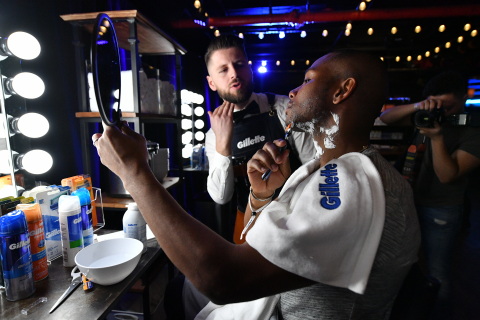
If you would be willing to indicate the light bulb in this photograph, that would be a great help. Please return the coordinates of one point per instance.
(186, 110)
(199, 124)
(26, 84)
(35, 161)
(22, 45)
(303, 34)
(281, 34)
(32, 125)
(186, 124)
(199, 111)
(199, 136)
(187, 137)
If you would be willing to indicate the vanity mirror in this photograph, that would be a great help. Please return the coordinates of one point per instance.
(106, 70)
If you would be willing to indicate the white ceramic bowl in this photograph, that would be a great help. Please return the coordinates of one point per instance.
(109, 261)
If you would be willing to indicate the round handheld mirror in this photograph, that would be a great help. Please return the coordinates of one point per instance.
(106, 70)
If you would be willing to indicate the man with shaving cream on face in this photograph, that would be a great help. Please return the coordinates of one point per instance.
(340, 238)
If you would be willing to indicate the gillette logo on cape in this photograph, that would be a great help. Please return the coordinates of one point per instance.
(330, 189)
(250, 141)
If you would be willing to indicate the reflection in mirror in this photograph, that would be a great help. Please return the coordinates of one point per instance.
(106, 70)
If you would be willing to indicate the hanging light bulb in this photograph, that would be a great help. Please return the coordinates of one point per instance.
(292, 62)
(418, 29)
(448, 45)
(32, 125)
(217, 33)
(20, 44)
(25, 84)
(348, 26)
(397, 58)
(303, 34)
(474, 33)
(460, 39)
(394, 30)
(307, 62)
(437, 49)
(427, 54)
(278, 62)
(197, 4)
(362, 6)
(467, 26)
(347, 32)
(325, 33)
(261, 35)
(409, 58)
(441, 28)
(370, 31)
(419, 57)
(240, 35)
(281, 34)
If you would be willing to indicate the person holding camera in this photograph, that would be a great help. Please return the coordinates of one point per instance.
(447, 152)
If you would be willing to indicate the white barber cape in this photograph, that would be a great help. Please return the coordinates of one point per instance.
(325, 226)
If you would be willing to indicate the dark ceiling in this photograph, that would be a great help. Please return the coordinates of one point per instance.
(292, 16)
(193, 27)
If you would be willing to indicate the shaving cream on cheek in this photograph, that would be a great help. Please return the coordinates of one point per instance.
(317, 148)
(329, 142)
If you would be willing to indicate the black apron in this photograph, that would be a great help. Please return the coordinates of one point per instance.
(251, 131)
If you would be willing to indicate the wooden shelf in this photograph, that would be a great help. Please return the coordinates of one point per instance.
(151, 40)
(122, 202)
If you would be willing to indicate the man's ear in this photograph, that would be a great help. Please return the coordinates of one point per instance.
(345, 89)
(211, 84)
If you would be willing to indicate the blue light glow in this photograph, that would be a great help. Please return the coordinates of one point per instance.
(262, 69)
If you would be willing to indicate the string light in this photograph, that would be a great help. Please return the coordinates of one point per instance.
(370, 31)
(217, 33)
(362, 6)
(448, 45)
(427, 54)
(460, 39)
(278, 62)
(397, 58)
(307, 62)
(240, 35)
(437, 49)
(261, 35)
(394, 30)
(474, 33)
(303, 34)
(347, 32)
(418, 29)
(281, 34)
(467, 27)
(409, 58)
(441, 28)
(292, 62)
(349, 26)
(419, 57)
(325, 33)
(197, 4)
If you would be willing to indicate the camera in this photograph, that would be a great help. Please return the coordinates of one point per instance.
(426, 119)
